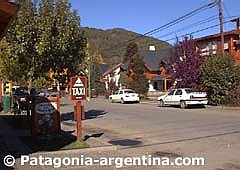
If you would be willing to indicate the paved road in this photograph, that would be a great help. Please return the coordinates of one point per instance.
(148, 129)
(142, 129)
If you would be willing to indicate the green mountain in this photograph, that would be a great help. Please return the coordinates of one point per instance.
(112, 43)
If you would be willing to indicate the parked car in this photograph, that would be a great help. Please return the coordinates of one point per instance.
(21, 100)
(183, 97)
(124, 95)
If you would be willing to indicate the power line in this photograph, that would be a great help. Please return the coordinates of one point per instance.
(197, 31)
(209, 19)
(169, 24)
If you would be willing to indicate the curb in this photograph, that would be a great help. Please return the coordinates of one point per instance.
(149, 103)
(76, 151)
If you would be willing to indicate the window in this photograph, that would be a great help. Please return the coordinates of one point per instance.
(171, 93)
(121, 92)
(129, 91)
(190, 90)
(179, 92)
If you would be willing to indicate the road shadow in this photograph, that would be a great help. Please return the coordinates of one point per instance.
(67, 116)
(189, 107)
(96, 135)
(125, 142)
(92, 114)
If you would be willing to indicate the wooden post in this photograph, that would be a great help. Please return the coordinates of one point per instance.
(75, 113)
(165, 84)
(79, 121)
(83, 113)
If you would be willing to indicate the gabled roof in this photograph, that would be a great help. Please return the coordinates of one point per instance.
(8, 10)
(112, 69)
(152, 59)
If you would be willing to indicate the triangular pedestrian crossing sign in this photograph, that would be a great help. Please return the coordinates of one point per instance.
(78, 83)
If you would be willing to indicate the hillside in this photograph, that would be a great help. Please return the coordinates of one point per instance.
(113, 42)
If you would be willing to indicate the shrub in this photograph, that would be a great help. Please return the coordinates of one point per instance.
(220, 75)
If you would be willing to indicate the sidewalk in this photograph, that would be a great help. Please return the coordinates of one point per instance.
(10, 143)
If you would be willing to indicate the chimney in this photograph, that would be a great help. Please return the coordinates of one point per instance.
(152, 48)
(237, 20)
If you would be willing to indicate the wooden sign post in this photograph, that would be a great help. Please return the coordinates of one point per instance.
(78, 90)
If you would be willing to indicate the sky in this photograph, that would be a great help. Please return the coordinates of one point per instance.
(142, 16)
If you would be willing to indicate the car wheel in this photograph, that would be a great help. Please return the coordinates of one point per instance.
(122, 101)
(183, 104)
(111, 100)
(161, 103)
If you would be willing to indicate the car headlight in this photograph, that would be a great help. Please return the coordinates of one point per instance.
(22, 99)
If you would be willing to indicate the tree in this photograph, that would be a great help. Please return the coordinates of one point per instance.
(8, 67)
(131, 50)
(66, 46)
(46, 37)
(21, 37)
(187, 63)
(138, 80)
(220, 75)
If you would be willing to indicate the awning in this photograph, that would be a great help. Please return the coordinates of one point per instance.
(8, 11)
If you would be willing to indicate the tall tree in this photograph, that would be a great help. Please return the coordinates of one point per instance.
(22, 37)
(46, 37)
(138, 80)
(131, 50)
(8, 67)
(187, 62)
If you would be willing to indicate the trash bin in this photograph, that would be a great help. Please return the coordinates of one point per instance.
(6, 103)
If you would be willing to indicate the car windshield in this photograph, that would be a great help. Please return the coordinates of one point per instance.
(21, 91)
(129, 91)
(190, 90)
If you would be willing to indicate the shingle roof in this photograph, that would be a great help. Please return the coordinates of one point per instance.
(153, 58)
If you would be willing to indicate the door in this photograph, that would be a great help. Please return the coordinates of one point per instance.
(177, 97)
(168, 98)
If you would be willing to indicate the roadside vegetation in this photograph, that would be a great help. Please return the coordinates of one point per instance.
(221, 78)
(44, 36)
(218, 75)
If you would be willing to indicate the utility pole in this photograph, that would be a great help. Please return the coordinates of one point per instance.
(220, 11)
(89, 76)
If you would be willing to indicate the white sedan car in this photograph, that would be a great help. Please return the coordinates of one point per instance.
(124, 95)
(183, 97)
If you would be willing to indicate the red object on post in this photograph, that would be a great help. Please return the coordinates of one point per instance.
(78, 88)
(78, 91)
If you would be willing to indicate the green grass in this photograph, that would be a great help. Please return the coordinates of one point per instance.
(76, 145)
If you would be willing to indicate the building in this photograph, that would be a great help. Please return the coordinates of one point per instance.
(212, 44)
(155, 71)
(154, 68)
